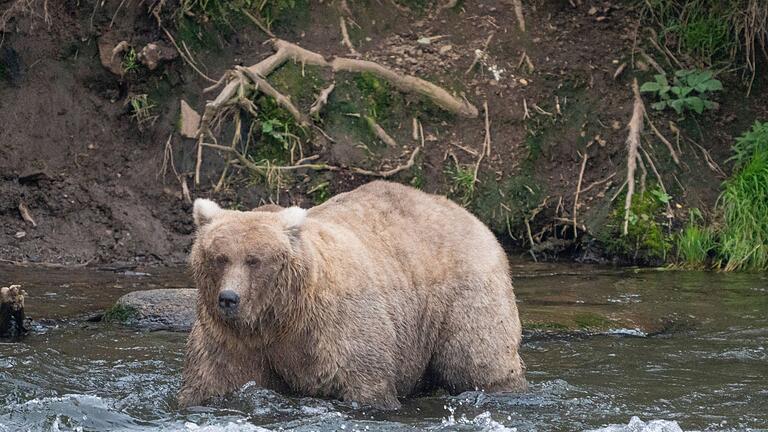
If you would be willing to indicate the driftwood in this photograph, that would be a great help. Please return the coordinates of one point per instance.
(12, 320)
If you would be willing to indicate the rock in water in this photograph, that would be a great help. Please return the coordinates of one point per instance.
(12, 323)
(159, 309)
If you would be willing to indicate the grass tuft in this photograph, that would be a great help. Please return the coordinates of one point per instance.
(744, 202)
(695, 243)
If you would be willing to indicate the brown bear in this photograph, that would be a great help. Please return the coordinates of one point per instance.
(376, 294)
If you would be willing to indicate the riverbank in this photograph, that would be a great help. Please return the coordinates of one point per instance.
(96, 168)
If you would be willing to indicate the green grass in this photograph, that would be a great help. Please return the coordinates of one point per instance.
(695, 243)
(744, 204)
(461, 180)
(711, 32)
(130, 61)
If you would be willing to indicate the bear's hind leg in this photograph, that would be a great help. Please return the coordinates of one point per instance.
(478, 345)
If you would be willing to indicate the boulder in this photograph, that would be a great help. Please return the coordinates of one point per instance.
(158, 309)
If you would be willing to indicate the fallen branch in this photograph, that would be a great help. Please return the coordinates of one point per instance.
(633, 142)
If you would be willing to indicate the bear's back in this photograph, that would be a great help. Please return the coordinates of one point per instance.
(414, 224)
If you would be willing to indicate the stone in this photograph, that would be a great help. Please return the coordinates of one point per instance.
(156, 52)
(158, 309)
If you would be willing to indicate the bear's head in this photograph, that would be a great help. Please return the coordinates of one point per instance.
(247, 264)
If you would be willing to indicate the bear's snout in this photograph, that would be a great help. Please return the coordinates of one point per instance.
(228, 301)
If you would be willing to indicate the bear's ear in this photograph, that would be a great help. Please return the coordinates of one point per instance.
(293, 217)
(204, 211)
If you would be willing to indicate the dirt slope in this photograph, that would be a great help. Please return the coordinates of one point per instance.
(93, 181)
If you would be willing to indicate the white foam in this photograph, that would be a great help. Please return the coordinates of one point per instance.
(637, 425)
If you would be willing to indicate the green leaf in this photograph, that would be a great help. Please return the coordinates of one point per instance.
(711, 85)
(650, 87)
(662, 80)
(659, 105)
(661, 196)
(267, 127)
(696, 103)
(677, 105)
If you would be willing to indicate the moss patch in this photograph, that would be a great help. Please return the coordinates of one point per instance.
(120, 313)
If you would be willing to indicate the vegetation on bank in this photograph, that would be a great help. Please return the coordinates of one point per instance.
(711, 33)
(702, 39)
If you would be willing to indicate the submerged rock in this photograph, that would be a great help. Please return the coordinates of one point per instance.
(159, 309)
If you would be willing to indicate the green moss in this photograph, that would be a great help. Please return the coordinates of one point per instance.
(302, 84)
(545, 326)
(646, 240)
(592, 321)
(377, 94)
(120, 313)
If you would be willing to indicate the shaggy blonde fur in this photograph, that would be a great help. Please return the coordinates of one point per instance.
(376, 294)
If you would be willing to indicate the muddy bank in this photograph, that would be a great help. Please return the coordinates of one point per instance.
(97, 161)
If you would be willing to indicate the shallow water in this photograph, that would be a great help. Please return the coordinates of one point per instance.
(709, 374)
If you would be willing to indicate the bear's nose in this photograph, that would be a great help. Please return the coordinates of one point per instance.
(228, 299)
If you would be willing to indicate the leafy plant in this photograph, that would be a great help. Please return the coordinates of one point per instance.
(130, 61)
(690, 89)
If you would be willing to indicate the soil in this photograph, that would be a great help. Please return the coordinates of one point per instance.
(94, 182)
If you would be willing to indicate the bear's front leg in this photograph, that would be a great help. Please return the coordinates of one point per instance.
(381, 396)
(216, 365)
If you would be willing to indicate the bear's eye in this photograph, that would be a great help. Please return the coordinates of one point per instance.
(252, 261)
(221, 260)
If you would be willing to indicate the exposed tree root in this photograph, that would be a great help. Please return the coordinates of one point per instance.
(282, 100)
(664, 140)
(578, 191)
(242, 82)
(389, 173)
(406, 83)
(633, 142)
(377, 129)
(518, 6)
(321, 101)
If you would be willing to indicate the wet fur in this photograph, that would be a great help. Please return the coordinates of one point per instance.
(376, 291)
